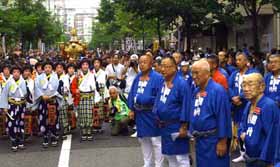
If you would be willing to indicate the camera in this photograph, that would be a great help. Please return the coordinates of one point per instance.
(133, 64)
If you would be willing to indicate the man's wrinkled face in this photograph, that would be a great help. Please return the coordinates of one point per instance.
(274, 63)
(200, 76)
(252, 88)
(145, 63)
(241, 61)
(113, 94)
(168, 68)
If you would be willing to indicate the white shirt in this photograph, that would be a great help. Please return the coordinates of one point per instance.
(130, 76)
(117, 72)
(87, 82)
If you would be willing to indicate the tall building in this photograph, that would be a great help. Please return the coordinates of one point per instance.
(57, 8)
(83, 24)
(75, 14)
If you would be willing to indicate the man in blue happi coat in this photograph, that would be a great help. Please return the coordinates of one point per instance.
(272, 79)
(210, 119)
(172, 107)
(236, 95)
(141, 101)
(223, 64)
(277, 152)
(258, 128)
(185, 72)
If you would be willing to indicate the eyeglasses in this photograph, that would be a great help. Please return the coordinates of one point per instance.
(249, 84)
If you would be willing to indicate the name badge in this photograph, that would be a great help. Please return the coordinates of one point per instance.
(254, 119)
(257, 111)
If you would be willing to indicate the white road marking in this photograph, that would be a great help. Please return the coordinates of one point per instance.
(65, 152)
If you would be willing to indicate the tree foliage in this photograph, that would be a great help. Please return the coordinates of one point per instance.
(193, 15)
(115, 23)
(27, 21)
(188, 16)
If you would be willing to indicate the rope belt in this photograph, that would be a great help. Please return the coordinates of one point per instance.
(86, 95)
(199, 134)
(17, 101)
(163, 124)
(139, 107)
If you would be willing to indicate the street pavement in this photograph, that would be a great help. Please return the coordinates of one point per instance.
(104, 151)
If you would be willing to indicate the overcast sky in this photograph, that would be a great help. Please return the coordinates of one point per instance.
(82, 3)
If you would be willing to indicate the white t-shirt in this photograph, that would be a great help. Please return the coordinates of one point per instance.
(130, 76)
(117, 72)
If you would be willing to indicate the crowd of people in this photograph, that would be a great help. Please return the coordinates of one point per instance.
(224, 101)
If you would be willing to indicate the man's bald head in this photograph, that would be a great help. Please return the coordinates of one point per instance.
(145, 63)
(202, 64)
(114, 92)
(113, 88)
(201, 73)
(256, 77)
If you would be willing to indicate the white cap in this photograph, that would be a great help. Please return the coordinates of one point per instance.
(184, 63)
(158, 58)
(134, 57)
(33, 61)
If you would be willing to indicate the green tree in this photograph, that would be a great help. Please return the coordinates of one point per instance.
(193, 14)
(28, 21)
(115, 23)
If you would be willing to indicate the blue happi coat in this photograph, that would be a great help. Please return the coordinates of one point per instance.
(188, 78)
(224, 72)
(211, 110)
(277, 153)
(230, 69)
(272, 89)
(260, 129)
(236, 90)
(144, 94)
(172, 107)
